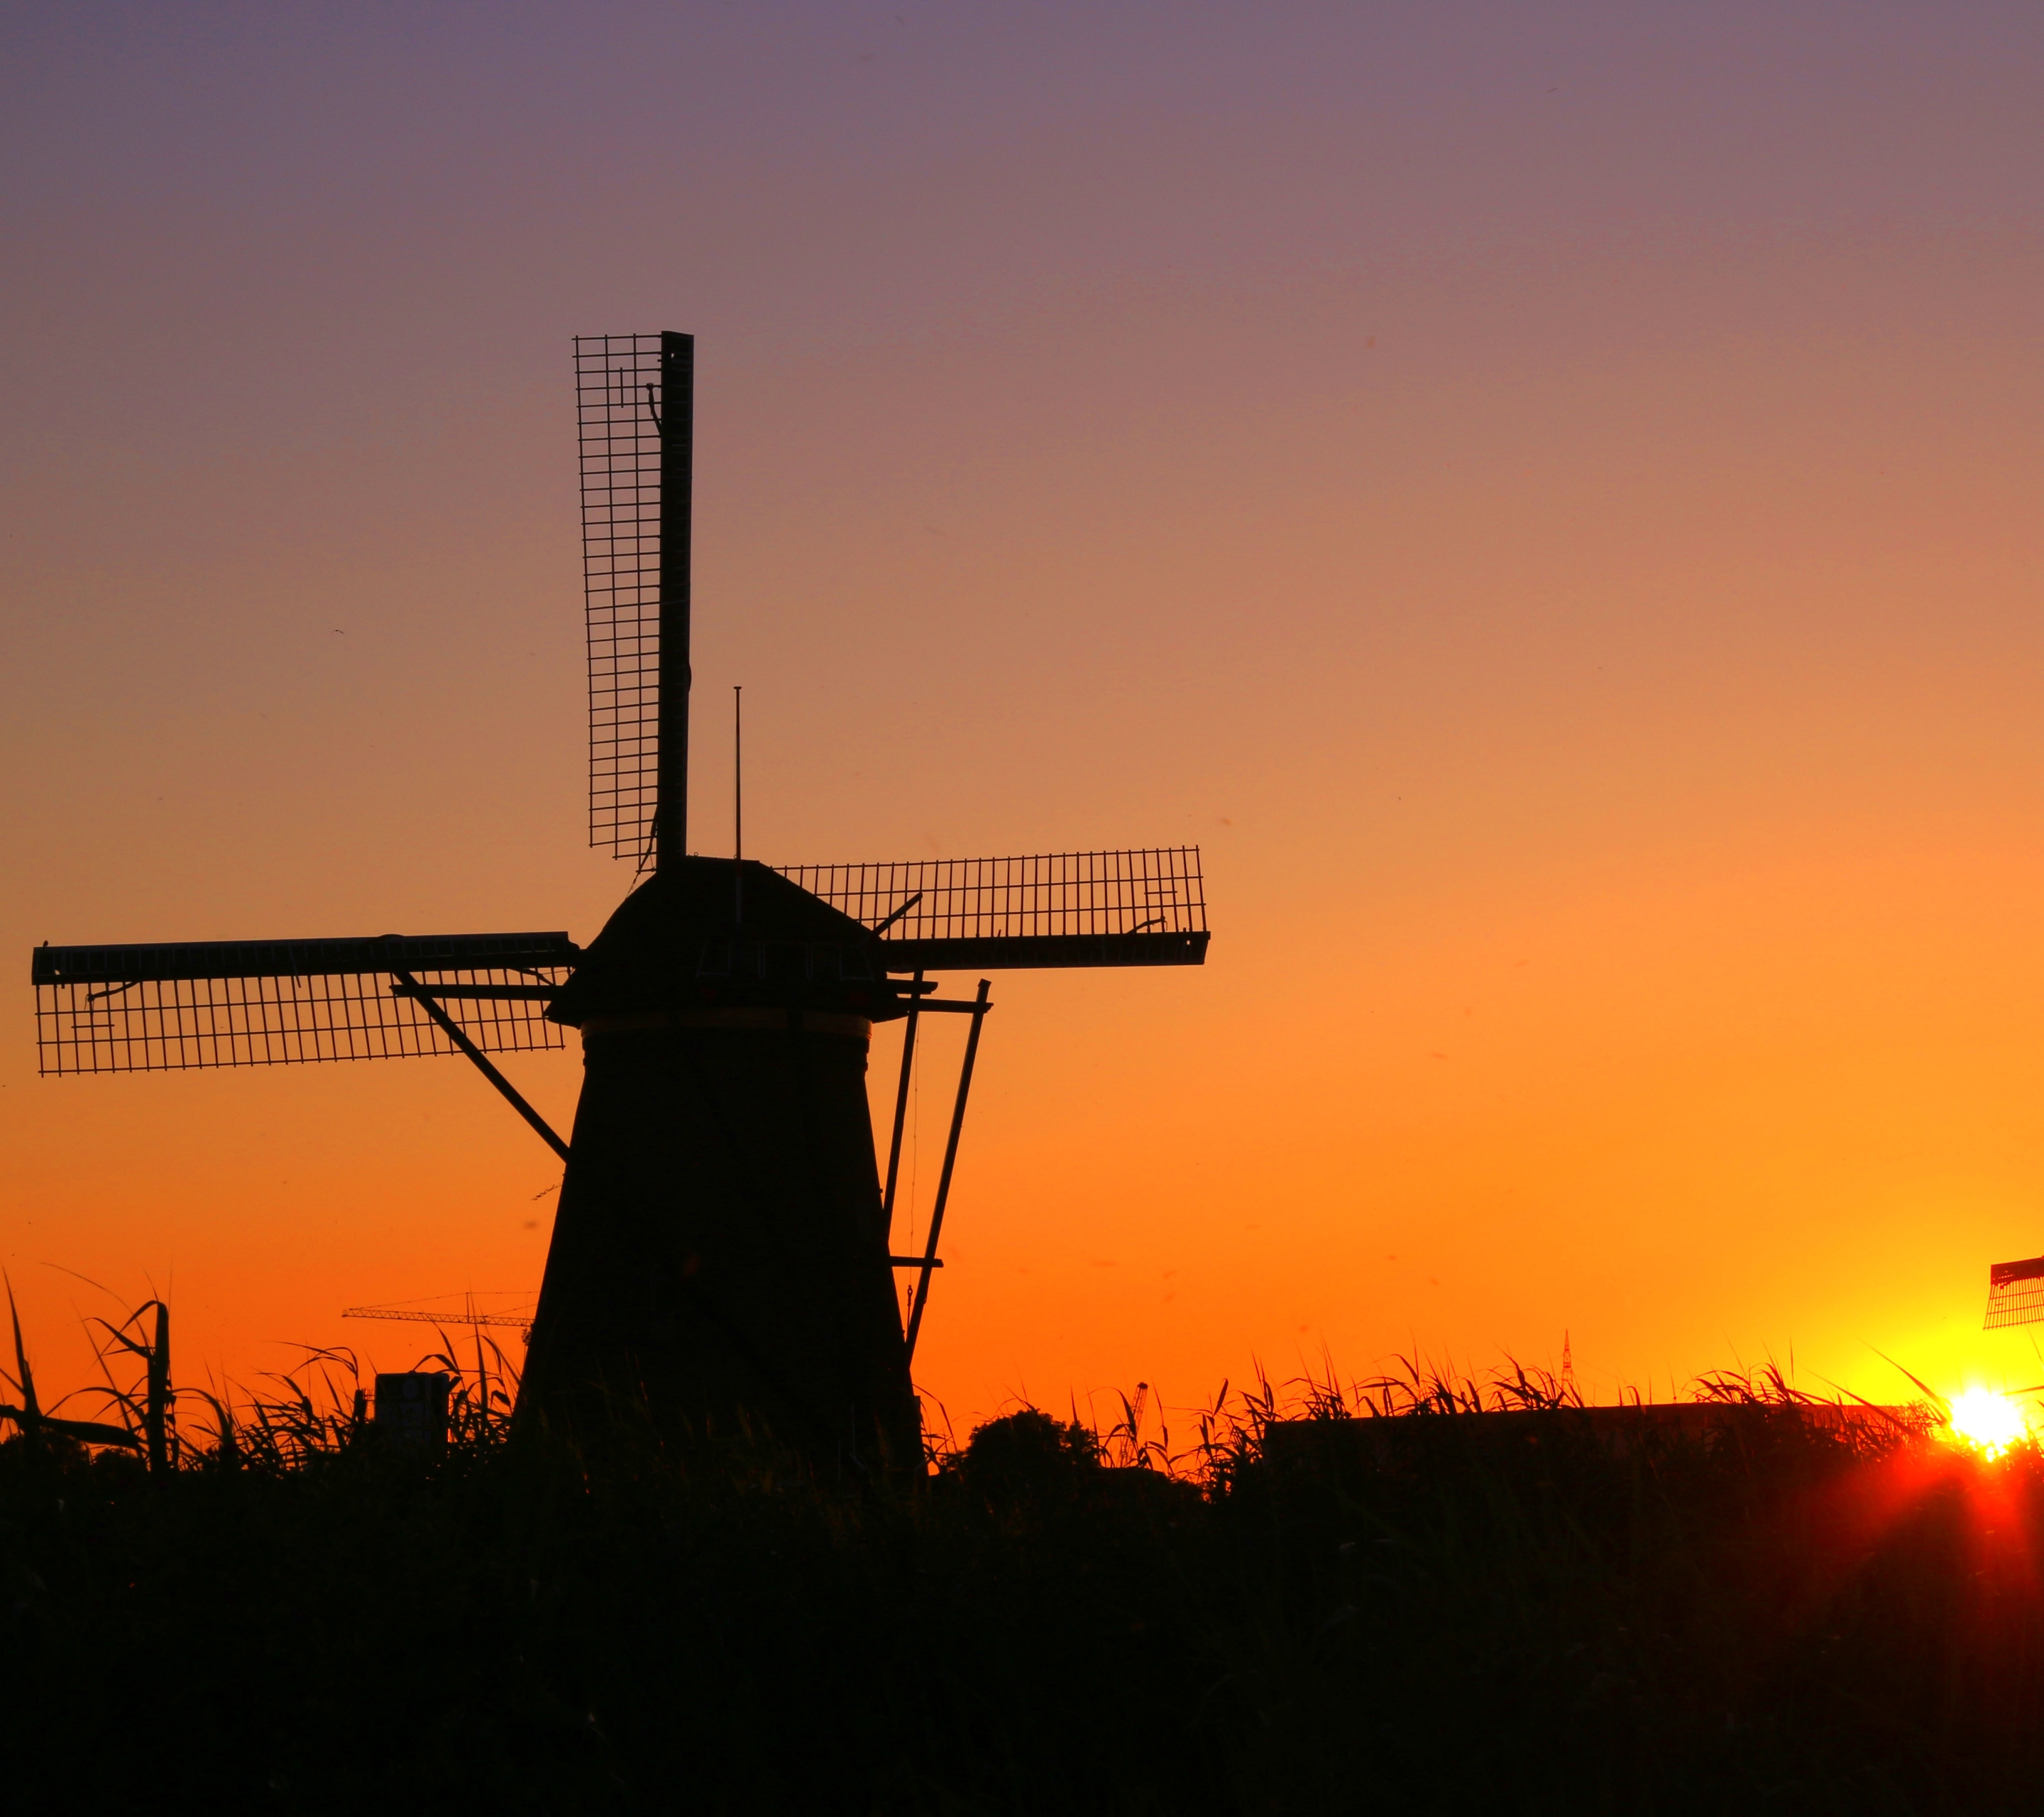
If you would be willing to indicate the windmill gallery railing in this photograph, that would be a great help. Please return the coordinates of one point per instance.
(254, 1003)
(1145, 907)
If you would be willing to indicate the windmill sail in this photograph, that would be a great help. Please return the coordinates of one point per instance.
(1073, 909)
(2014, 1293)
(634, 412)
(256, 1002)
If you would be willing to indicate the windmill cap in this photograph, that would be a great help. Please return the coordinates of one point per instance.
(677, 942)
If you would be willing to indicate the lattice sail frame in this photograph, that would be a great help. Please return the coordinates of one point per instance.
(618, 393)
(176, 1007)
(2014, 1294)
(1074, 908)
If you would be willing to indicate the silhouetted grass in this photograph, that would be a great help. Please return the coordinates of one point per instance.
(1335, 1599)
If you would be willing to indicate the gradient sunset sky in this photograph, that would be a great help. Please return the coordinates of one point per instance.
(1546, 497)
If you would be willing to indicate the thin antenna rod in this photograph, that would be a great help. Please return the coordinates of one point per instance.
(738, 804)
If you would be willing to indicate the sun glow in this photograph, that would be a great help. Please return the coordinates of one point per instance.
(1988, 1421)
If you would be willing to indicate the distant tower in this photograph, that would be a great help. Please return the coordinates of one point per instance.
(1567, 1362)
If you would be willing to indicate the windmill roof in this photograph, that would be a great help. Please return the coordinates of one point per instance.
(671, 941)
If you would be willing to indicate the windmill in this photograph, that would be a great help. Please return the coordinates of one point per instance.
(720, 1252)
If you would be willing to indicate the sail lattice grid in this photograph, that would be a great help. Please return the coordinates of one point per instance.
(174, 1008)
(1048, 899)
(2014, 1294)
(617, 402)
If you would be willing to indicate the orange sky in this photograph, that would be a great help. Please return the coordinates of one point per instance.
(1551, 510)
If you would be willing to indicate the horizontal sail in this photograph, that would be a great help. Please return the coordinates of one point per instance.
(1133, 908)
(231, 1003)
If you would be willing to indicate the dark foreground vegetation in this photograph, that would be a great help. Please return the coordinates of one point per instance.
(1397, 1607)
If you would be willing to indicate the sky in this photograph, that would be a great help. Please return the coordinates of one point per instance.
(1545, 498)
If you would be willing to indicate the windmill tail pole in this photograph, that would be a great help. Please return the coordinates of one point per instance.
(410, 986)
(901, 1114)
(980, 1007)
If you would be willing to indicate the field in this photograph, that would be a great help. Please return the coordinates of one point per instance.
(1366, 1599)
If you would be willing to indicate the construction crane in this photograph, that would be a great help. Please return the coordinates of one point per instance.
(522, 1321)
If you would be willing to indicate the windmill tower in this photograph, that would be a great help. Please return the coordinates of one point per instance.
(721, 1251)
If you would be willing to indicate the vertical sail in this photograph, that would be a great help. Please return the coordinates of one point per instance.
(618, 403)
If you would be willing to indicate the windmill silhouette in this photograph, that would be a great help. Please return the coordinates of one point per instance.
(721, 1254)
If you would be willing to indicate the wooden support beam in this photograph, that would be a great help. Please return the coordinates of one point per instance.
(454, 1033)
(980, 1008)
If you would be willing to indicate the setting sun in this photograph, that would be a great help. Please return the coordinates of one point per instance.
(1988, 1421)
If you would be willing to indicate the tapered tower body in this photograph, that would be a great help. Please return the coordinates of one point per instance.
(720, 1255)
